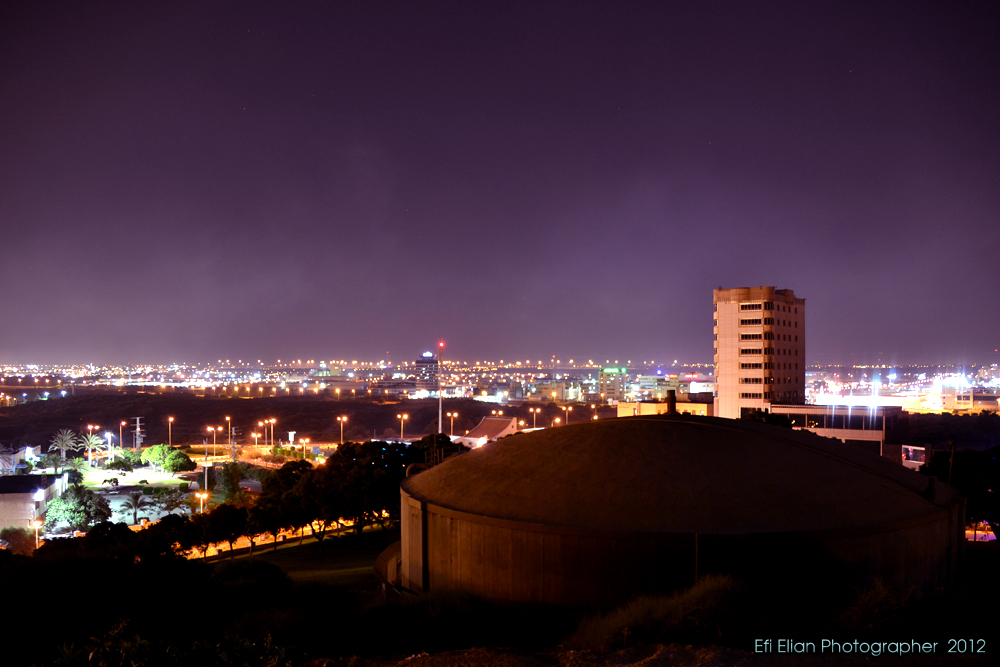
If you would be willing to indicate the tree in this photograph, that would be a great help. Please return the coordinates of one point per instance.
(170, 500)
(65, 441)
(76, 467)
(227, 524)
(134, 503)
(228, 480)
(156, 455)
(92, 443)
(178, 461)
(79, 507)
(17, 540)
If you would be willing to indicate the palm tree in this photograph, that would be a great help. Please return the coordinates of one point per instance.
(65, 441)
(91, 442)
(134, 502)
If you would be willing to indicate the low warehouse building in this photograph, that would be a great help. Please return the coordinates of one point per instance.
(593, 513)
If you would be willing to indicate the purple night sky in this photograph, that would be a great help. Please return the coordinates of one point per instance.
(183, 182)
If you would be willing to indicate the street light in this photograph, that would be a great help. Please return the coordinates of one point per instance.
(109, 436)
(229, 432)
(452, 415)
(342, 420)
(170, 431)
(201, 496)
(213, 429)
(402, 418)
(534, 416)
(121, 443)
(37, 524)
(567, 410)
(556, 422)
(255, 436)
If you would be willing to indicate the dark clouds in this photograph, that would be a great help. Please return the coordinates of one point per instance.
(262, 181)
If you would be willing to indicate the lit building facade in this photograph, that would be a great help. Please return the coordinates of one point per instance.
(760, 349)
(612, 384)
(427, 372)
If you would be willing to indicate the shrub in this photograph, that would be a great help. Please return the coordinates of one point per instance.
(183, 487)
(119, 464)
(147, 490)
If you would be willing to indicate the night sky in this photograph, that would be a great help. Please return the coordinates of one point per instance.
(188, 182)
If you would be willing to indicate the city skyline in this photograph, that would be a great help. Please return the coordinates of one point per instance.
(194, 182)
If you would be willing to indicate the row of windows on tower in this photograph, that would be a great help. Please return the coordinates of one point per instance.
(767, 305)
(767, 335)
(758, 321)
(769, 395)
(785, 380)
(757, 351)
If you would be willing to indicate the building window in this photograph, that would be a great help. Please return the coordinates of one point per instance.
(769, 365)
(769, 320)
(751, 366)
(756, 336)
(750, 351)
(768, 335)
(769, 394)
(745, 395)
(768, 350)
(751, 381)
(768, 305)
(750, 322)
(750, 306)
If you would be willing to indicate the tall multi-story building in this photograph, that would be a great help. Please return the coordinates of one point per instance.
(612, 384)
(426, 371)
(760, 349)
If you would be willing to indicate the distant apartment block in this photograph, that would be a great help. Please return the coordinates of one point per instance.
(760, 349)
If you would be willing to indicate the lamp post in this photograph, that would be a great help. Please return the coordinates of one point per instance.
(402, 418)
(305, 442)
(229, 431)
(534, 416)
(452, 415)
(108, 435)
(342, 420)
(556, 422)
(338, 393)
(90, 452)
(440, 369)
(37, 524)
(255, 437)
(567, 409)
(121, 443)
(272, 420)
(170, 431)
(202, 495)
(214, 430)
(594, 408)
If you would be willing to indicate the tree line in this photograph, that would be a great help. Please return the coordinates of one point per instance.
(356, 487)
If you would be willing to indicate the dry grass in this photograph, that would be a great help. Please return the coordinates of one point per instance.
(695, 613)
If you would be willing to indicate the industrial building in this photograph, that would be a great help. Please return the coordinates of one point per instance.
(593, 513)
(760, 349)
